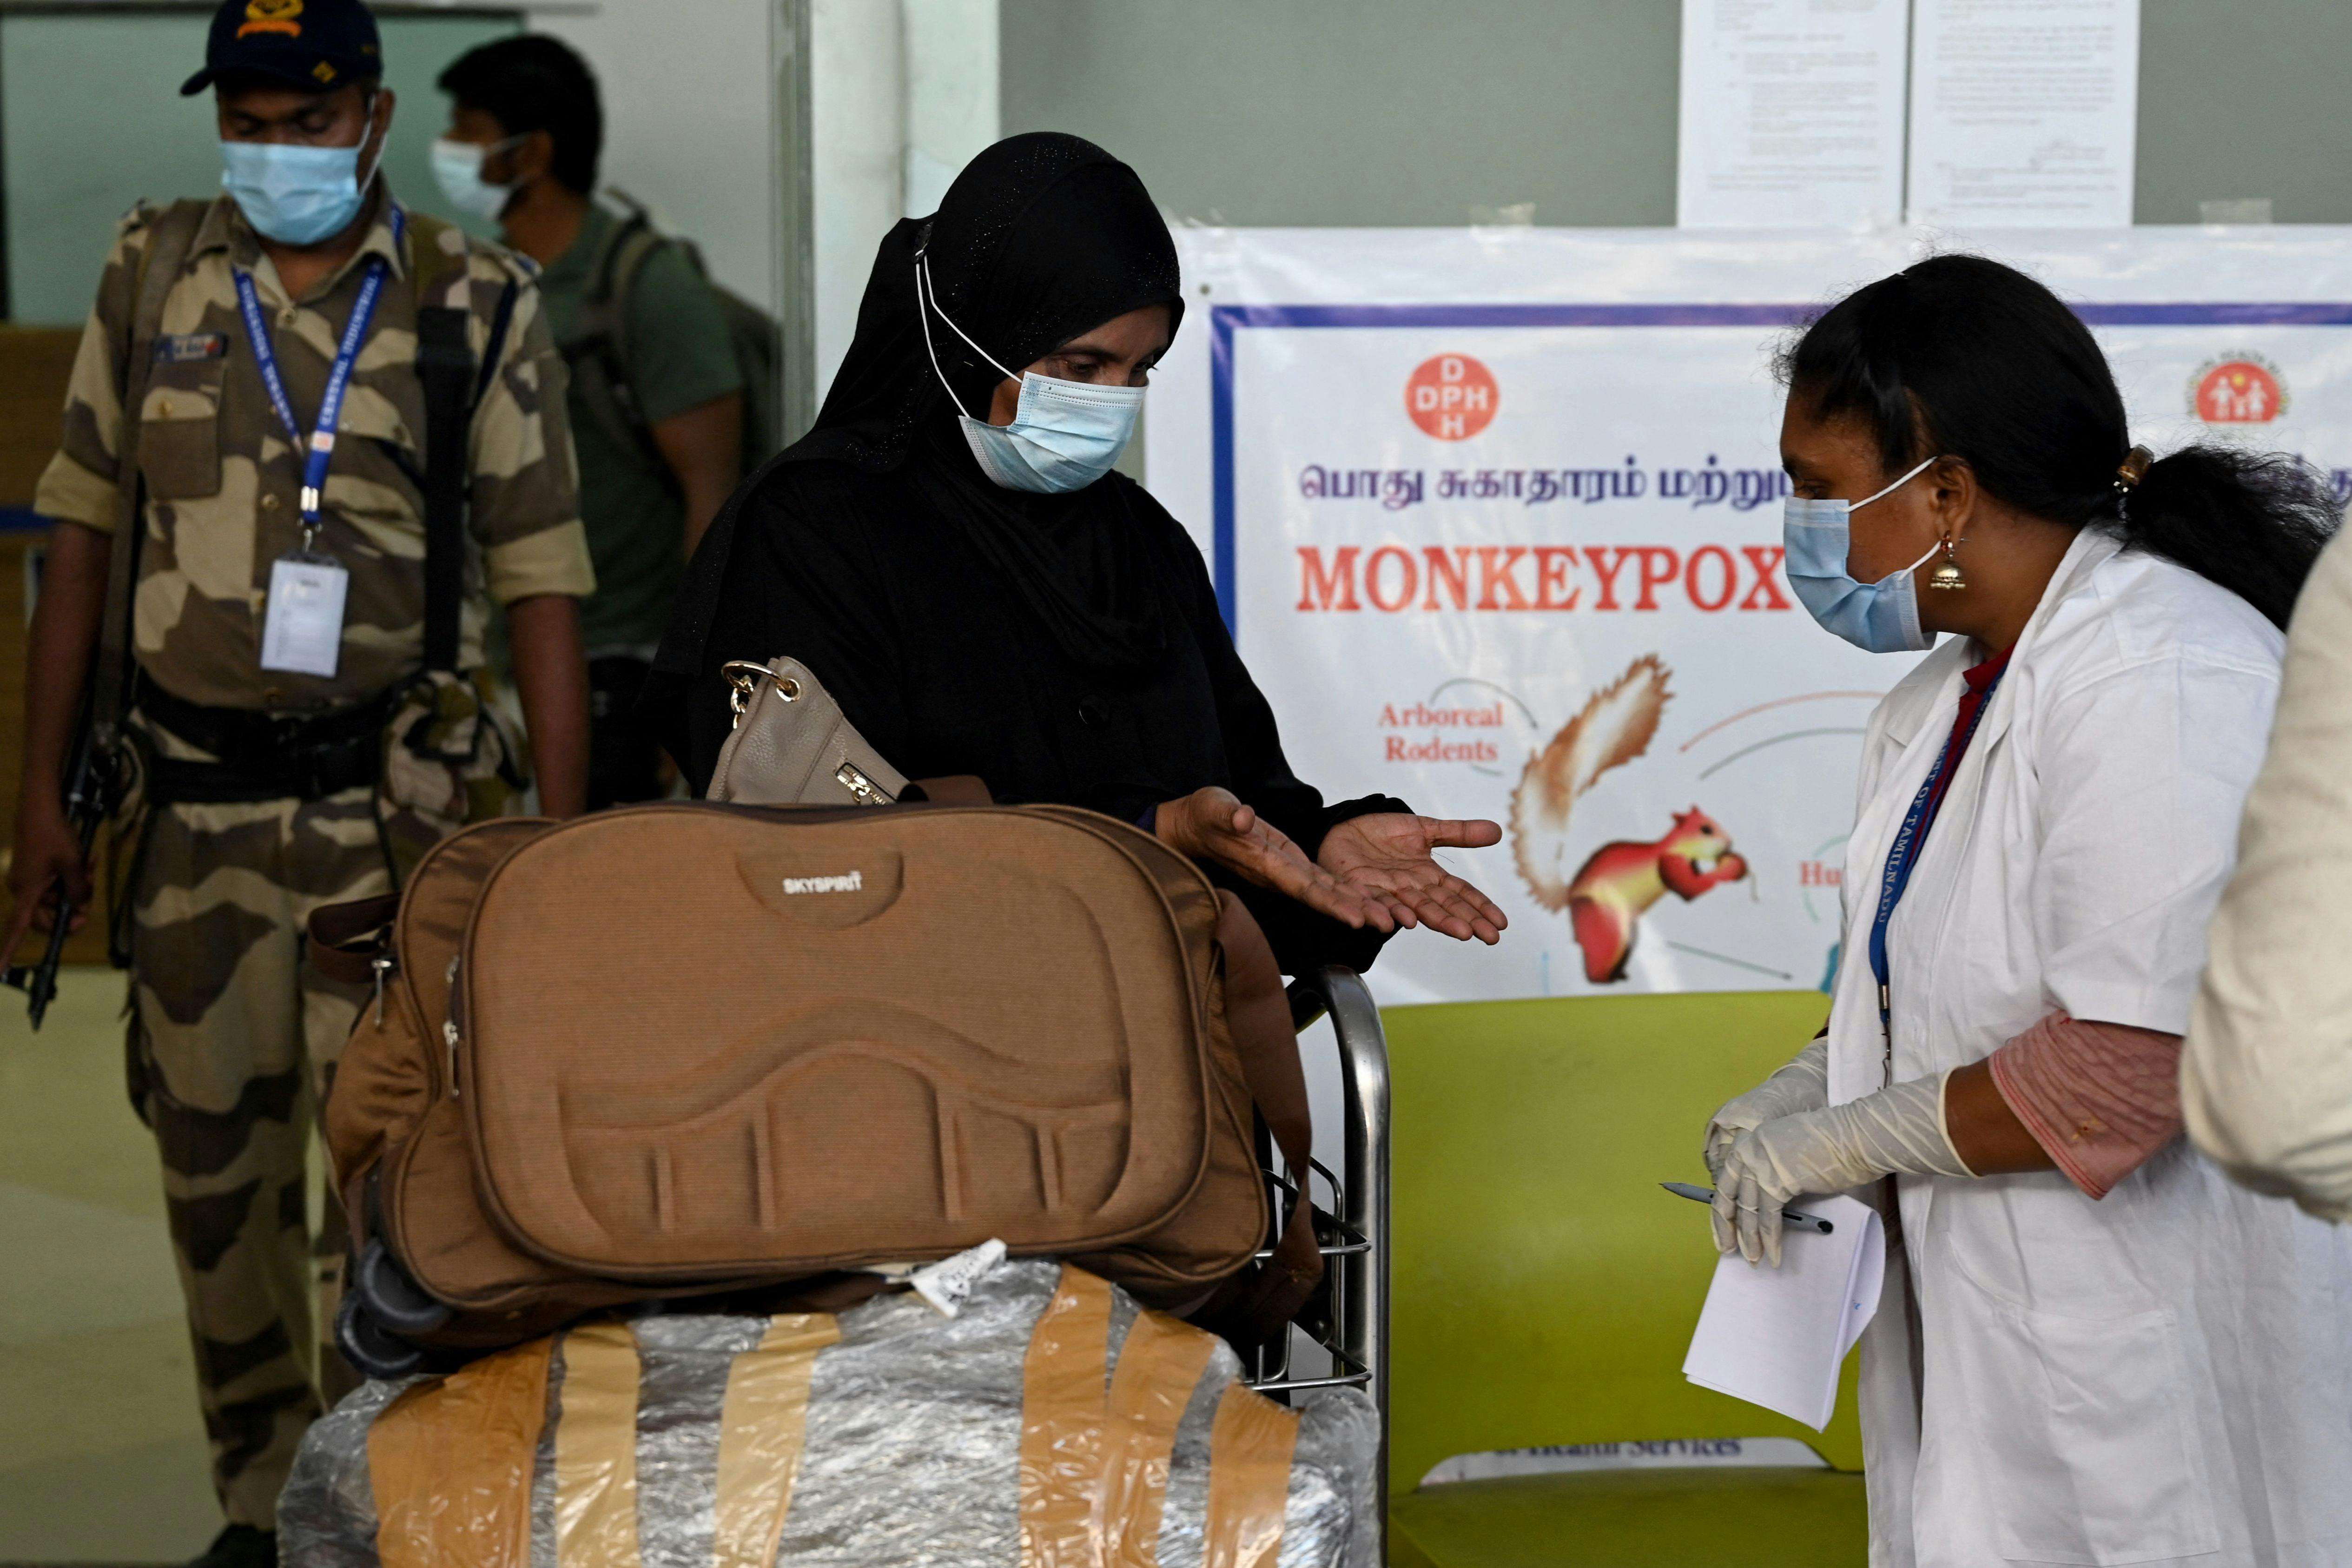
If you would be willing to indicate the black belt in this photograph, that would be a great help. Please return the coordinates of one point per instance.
(264, 756)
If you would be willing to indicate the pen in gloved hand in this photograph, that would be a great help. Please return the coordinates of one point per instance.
(1788, 1217)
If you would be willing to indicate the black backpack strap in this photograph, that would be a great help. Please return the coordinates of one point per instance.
(501, 320)
(445, 363)
(601, 351)
(172, 237)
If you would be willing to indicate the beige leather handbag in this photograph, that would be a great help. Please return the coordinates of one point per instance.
(792, 746)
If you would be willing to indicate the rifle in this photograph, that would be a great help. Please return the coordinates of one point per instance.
(95, 774)
(90, 799)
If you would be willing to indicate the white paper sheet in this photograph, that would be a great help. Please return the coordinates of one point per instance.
(1777, 1337)
(1791, 114)
(2024, 113)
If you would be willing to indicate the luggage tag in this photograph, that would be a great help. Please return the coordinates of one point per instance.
(947, 1283)
(303, 630)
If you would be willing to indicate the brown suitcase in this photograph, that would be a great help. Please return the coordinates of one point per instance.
(684, 1049)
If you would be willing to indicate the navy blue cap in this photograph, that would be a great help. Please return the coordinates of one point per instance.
(314, 45)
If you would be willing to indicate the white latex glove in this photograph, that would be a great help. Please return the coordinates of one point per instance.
(1898, 1130)
(1802, 1084)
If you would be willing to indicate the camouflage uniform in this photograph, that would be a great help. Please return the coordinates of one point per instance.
(233, 1038)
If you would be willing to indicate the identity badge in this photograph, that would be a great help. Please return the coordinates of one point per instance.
(304, 630)
(191, 348)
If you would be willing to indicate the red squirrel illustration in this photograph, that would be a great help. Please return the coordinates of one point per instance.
(1609, 893)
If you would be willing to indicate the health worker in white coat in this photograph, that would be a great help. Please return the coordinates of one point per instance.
(2091, 1347)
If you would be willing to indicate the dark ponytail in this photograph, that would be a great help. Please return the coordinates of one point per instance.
(1963, 357)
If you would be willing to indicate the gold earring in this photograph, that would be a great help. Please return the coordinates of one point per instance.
(1947, 573)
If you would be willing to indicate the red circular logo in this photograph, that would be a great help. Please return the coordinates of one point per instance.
(1452, 397)
(2239, 390)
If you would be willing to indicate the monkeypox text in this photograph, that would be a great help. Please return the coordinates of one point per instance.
(1392, 577)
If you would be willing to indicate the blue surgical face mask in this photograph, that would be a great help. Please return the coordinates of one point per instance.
(457, 170)
(1064, 434)
(1882, 617)
(293, 194)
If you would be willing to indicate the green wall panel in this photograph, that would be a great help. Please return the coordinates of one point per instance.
(1389, 112)
(1362, 112)
(91, 120)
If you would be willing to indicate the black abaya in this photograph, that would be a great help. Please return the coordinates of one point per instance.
(1065, 648)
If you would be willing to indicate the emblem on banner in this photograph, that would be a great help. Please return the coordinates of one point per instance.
(1617, 883)
(2238, 389)
(1452, 397)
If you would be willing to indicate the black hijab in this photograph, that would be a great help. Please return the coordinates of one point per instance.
(1041, 238)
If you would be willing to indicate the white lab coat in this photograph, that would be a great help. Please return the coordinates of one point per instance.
(2159, 1377)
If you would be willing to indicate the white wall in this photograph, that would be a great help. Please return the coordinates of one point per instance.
(857, 117)
(687, 87)
(903, 92)
(951, 53)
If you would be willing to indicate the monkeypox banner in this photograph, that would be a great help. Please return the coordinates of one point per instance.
(1495, 516)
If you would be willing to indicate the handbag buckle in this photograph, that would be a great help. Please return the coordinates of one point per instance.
(743, 678)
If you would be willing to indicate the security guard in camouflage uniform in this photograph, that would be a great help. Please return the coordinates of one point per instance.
(278, 616)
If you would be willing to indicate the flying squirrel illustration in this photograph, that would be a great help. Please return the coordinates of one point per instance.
(1607, 896)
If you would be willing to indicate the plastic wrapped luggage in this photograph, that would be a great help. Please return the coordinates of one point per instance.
(1052, 1423)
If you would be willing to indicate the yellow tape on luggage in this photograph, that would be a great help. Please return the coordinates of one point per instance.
(1158, 1368)
(762, 1431)
(1061, 1425)
(596, 1449)
(1093, 1465)
(1250, 1449)
(450, 1465)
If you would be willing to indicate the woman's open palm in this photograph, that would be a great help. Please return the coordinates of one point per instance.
(1387, 859)
(1214, 824)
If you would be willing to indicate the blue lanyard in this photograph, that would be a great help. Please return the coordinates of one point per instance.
(1904, 854)
(320, 444)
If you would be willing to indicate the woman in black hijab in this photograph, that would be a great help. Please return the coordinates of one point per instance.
(949, 553)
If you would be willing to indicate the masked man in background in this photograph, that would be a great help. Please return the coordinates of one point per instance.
(248, 418)
(657, 402)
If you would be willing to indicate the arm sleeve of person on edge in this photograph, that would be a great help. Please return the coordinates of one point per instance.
(2266, 1074)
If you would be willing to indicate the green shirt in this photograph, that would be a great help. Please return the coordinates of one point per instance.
(680, 357)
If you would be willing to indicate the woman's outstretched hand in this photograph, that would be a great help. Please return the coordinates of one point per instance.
(1386, 858)
(1215, 825)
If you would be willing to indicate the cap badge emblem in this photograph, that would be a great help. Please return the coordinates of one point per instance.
(272, 16)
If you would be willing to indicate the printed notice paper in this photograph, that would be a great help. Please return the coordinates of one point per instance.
(2024, 112)
(1776, 1337)
(1791, 114)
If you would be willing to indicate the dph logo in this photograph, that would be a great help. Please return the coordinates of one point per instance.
(1452, 397)
(2240, 389)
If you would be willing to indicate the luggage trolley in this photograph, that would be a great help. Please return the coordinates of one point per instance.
(1346, 1322)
